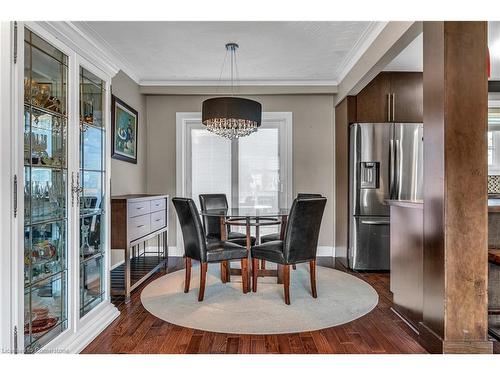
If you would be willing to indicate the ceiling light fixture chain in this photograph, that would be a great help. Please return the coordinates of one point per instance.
(231, 48)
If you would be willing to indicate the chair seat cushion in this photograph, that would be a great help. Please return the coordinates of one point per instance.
(270, 237)
(234, 237)
(218, 251)
(271, 251)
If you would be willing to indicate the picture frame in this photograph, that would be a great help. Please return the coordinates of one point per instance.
(124, 120)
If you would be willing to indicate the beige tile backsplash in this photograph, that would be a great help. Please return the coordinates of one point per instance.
(494, 184)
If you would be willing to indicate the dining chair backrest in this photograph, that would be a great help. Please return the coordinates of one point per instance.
(302, 231)
(308, 195)
(195, 246)
(212, 202)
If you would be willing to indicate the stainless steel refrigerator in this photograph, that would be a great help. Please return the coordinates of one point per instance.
(385, 162)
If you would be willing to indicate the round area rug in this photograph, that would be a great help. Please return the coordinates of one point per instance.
(341, 299)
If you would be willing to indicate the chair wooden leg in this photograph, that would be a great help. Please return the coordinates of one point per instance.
(286, 282)
(294, 266)
(244, 275)
(255, 270)
(203, 278)
(188, 275)
(223, 272)
(312, 271)
(228, 271)
(262, 264)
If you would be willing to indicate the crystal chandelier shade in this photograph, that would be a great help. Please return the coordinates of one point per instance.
(231, 117)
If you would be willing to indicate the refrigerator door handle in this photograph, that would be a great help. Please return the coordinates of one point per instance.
(388, 107)
(397, 169)
(376, 222)
(392, 168)
(393, 104)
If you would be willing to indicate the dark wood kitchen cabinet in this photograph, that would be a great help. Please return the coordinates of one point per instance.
(392, 97)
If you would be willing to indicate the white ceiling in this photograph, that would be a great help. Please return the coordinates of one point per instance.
(270, 52)
(411, 59)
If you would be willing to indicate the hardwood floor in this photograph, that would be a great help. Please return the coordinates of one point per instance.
(137, 331)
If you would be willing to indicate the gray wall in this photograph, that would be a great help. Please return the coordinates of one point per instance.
(313, 146)
(128, 178)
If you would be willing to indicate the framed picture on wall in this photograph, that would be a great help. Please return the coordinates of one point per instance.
(124, 131)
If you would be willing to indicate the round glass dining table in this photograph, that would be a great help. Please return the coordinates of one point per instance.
(249, 217)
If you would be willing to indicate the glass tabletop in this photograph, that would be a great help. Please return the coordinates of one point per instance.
(247, 212)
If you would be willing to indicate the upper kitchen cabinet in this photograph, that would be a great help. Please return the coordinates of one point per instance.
(407, 92)
(392, 97)
(372, 103)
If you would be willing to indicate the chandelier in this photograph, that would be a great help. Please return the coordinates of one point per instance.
(231, 117)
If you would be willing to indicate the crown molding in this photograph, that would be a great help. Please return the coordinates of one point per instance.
(240, 90)
(90, 44)
(225, 83)
(359, 48)
(81, 43)
(84, 29)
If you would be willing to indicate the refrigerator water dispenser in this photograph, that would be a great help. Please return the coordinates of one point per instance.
(370, 175)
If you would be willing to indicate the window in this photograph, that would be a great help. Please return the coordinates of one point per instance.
(494, 138)
(253, 171)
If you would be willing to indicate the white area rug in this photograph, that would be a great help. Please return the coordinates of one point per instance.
(341, 299)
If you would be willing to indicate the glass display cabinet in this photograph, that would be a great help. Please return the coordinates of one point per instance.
(60, 268)
(92, 170)
(45, 189)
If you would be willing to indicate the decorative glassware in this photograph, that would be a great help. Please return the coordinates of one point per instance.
(92, 177)
(45, 186)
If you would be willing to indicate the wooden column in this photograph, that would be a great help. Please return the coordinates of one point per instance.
(455, 188)
(345, 114)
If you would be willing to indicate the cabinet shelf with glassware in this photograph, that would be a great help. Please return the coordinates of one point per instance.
(62, 172)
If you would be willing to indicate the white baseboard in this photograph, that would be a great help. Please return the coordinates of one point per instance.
(87, 334)
(325, 251)
(174, 251)
(90, 327)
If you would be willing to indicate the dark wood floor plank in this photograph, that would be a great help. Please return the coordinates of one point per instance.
(219, 344)
(296, 345)
(137, 331)
(308, 343)
(272, 345)
(283, 344)
(321, 343)
(245, 344)
(206, 343)
(232, 345)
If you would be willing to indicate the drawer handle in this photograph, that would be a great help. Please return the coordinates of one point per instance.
(158, 204)
(157, 219)
(139, 208)
(140, 226)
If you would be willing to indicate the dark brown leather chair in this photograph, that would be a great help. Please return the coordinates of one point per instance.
(196, 246)
(298, 246)
(276, 236)
(211, 224)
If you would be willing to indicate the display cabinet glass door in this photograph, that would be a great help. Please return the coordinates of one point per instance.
(91, 194)
(45, 191)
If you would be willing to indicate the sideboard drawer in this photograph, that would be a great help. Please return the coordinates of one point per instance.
(139, 226)
(138, 208)
(158, 220)
(158, 204)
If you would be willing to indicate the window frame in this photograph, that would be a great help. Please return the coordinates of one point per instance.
(494, 169)
(185, 121)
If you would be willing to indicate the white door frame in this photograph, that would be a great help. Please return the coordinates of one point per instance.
(284, 120)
